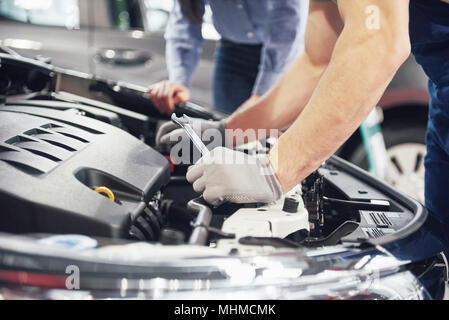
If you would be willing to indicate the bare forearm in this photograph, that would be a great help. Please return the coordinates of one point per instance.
(284, 102)
(345, 95)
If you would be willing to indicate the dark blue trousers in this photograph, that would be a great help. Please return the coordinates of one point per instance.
(236, 69)
(429, 35)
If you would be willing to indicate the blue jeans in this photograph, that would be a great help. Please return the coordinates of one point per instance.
(236, 69)
(437, 184)
(437, 176)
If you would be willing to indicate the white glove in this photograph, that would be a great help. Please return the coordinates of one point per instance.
(228, 175)
(212, 132)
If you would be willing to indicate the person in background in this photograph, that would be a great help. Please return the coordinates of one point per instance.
(259, 38)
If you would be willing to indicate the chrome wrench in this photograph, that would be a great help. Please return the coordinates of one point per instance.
(184, 122)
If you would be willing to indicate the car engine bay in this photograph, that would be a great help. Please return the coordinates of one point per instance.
(71, 164)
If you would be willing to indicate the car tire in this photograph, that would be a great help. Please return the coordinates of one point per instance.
(405, 145)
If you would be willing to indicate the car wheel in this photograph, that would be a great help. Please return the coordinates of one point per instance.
(406, 149)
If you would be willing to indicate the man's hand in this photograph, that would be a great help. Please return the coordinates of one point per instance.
(227, 175)
(166, 94)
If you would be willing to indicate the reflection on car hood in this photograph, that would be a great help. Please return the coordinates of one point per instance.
(146, 271)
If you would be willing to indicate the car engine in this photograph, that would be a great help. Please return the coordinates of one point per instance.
(77, 156)
(61, 167)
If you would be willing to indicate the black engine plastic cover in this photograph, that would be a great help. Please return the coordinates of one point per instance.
(50, 163)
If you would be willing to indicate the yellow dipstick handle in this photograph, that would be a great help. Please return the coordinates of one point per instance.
(106, 191)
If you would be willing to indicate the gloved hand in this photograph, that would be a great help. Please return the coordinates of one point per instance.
(228, 175)
(209, 131)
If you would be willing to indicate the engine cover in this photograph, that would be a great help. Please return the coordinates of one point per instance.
(52, 161)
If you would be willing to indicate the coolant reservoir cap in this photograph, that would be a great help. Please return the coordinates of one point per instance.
(291, 204)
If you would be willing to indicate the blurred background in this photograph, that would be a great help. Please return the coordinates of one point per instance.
(124, 40)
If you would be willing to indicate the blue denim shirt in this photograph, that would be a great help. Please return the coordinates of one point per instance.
(273, 23)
